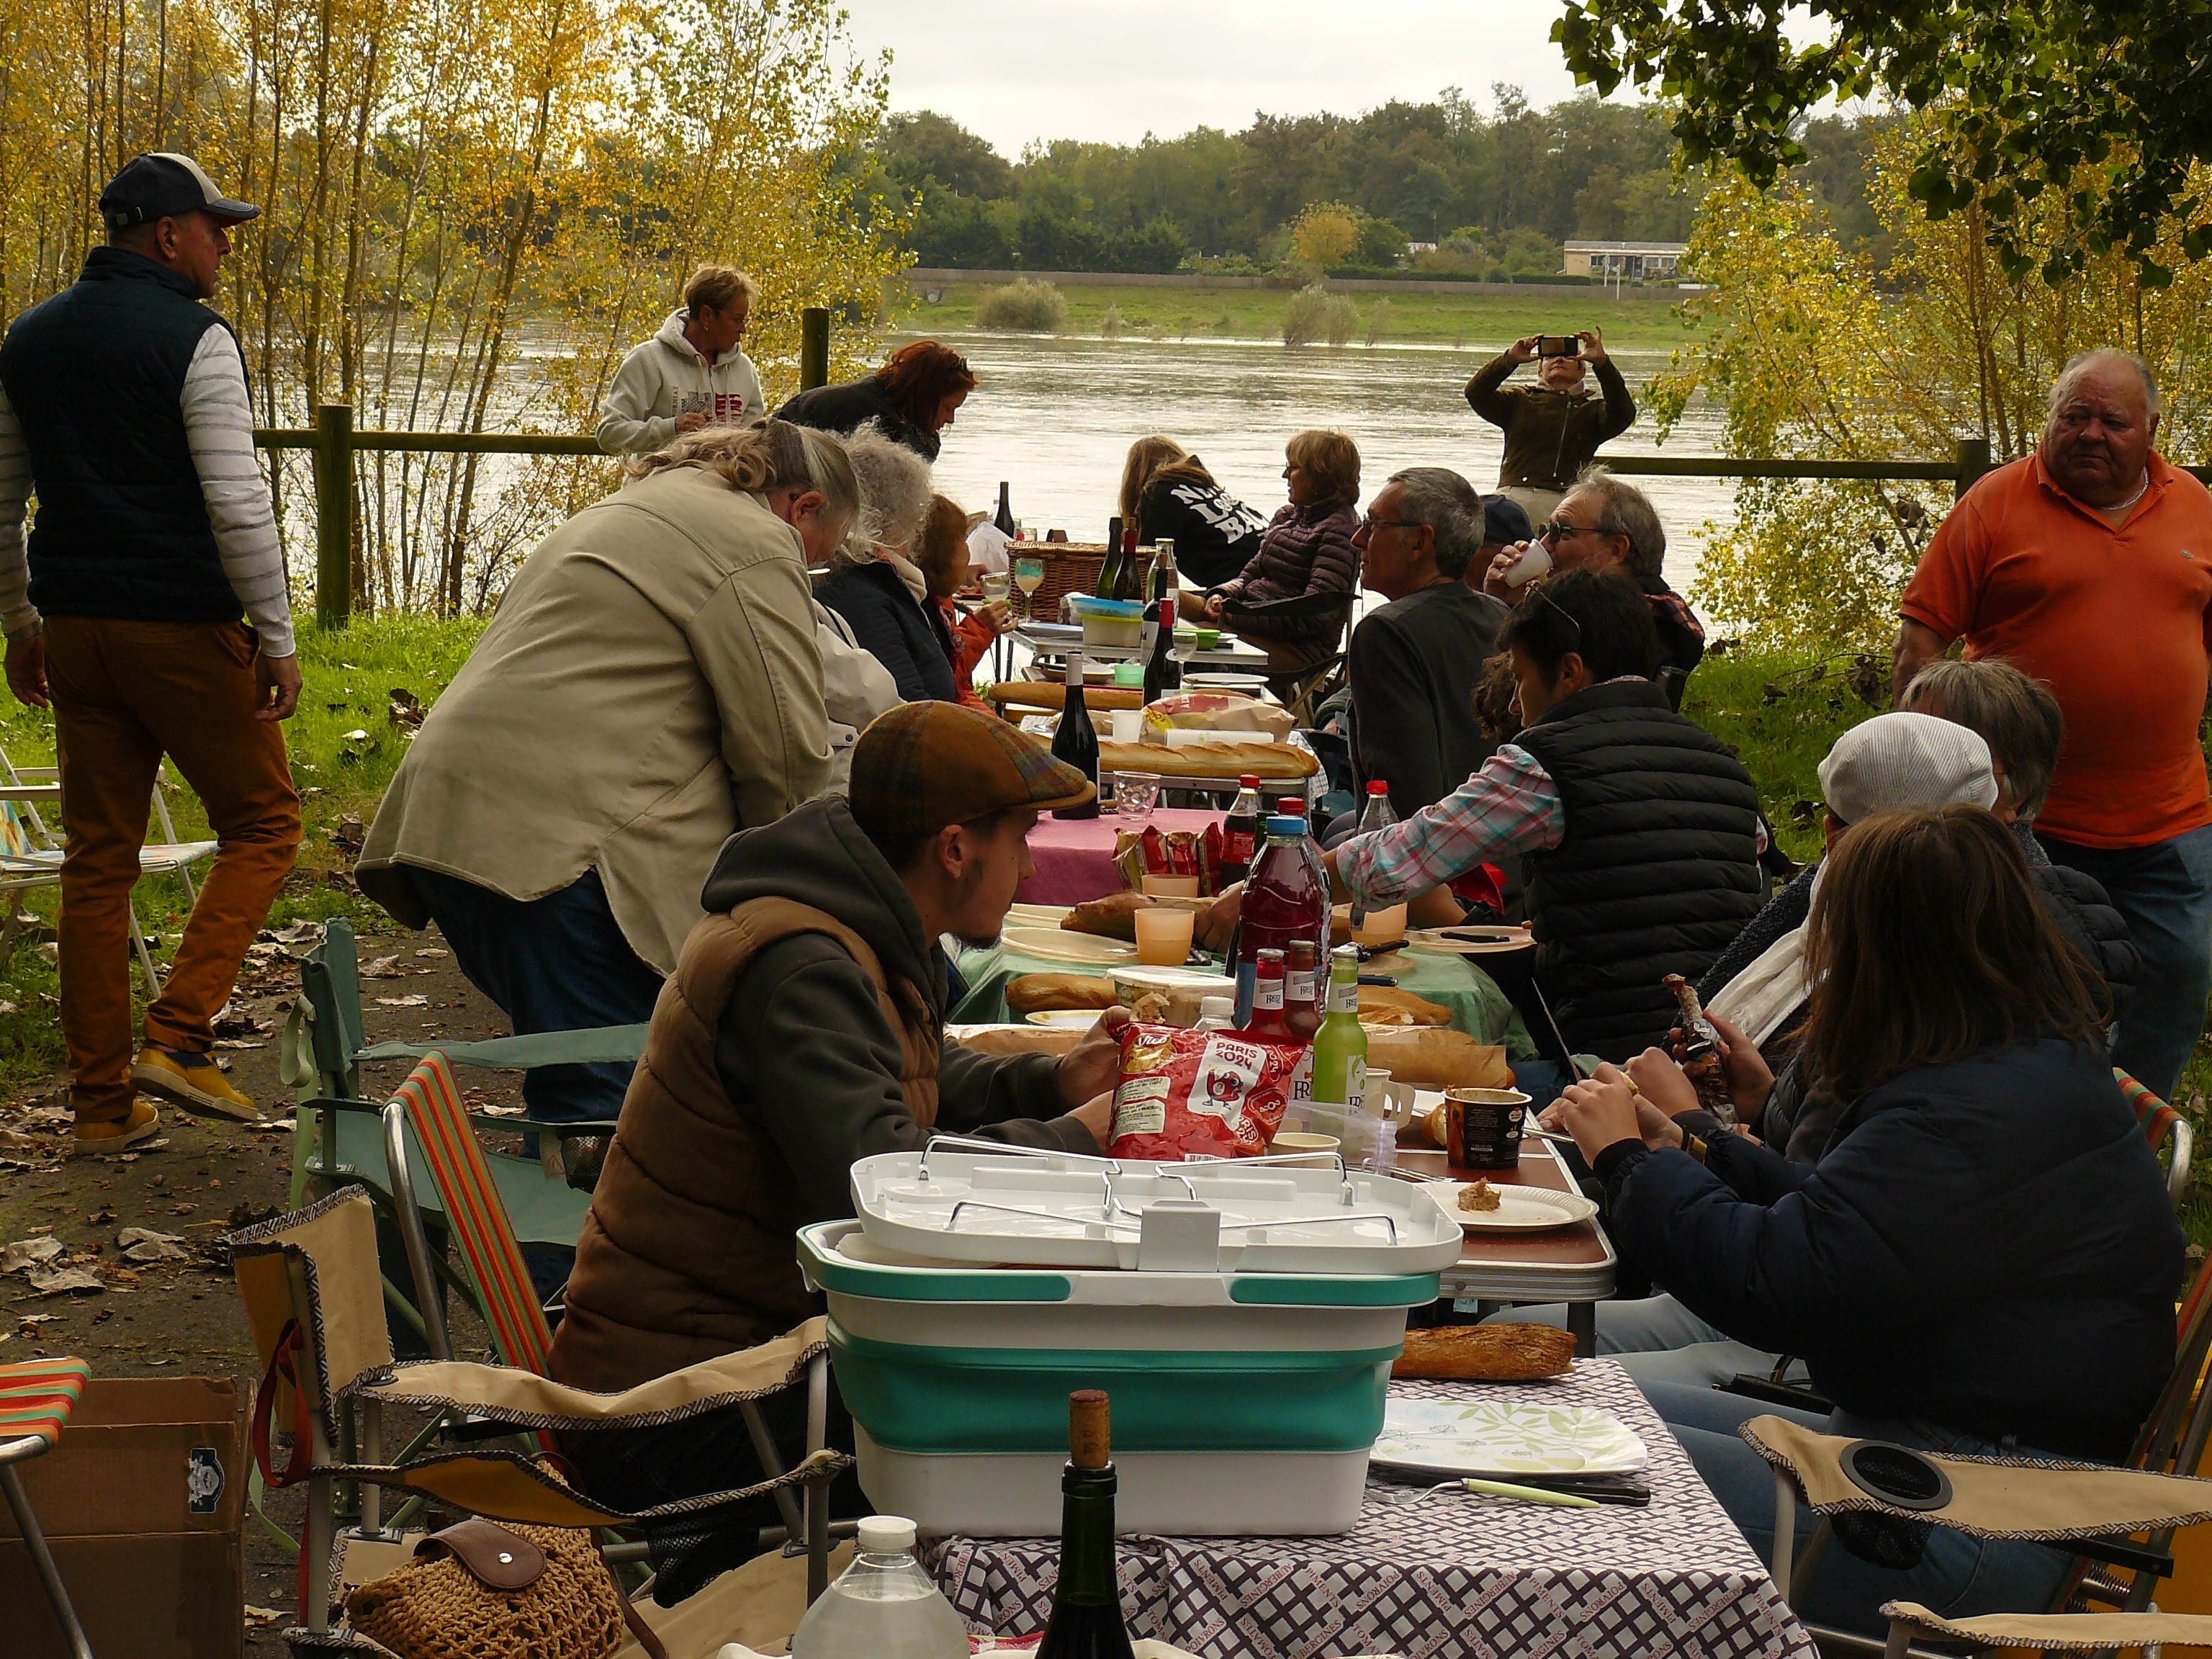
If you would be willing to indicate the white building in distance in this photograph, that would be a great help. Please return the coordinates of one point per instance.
(1627, 261)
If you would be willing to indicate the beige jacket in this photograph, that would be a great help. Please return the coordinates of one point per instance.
(650, 685)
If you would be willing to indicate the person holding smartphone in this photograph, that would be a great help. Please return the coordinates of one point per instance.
(1553, 428)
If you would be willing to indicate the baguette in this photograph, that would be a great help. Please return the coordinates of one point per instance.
(1052, 696)
(1209, 760)
(1032, 993)
(1486, 1353)
(1434, 1057)
(1387, 1005)
(1023, 1040)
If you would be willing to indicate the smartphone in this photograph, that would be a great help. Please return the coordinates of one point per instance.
(1558, 346)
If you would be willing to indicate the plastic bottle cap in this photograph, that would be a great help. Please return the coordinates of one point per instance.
(1223, 1008)
(1286, 825)
(1377, 786)
(886, 1535)
(1248, 781)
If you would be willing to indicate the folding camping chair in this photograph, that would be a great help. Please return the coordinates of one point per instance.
(36, 1399)
(31, 855)
(2165, 1129)
(309, 1283)
(2094, 1510)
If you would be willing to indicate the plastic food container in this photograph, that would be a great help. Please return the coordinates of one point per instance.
(1119, 622)
(1244, 1404)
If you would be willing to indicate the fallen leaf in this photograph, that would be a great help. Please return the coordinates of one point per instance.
(302, 932)
(237, 1044)
(262, 1615)
(144, 1245)
(27, 1253)
(415, 1001)
(99, 1217)
(383, 968)
(433, 951)
(54, 1281)
(15, 1140)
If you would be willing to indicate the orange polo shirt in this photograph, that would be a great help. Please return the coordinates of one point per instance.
(2116, 623)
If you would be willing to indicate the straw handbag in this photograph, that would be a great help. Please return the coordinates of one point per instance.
(480, 1588)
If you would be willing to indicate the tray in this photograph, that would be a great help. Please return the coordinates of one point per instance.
(1287, 1215)
(1504, 1437)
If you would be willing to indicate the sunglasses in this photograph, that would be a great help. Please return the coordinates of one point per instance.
(1558, 530)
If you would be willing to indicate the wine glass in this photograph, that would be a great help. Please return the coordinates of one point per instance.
(1028, 576)
(997, 583)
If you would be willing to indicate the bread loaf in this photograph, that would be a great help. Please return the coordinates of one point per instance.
(1486, 1353)
(1023, 1040)
(1052, 696)
(1209, 760)
(1433, 1057)
(1386, 1004)
(1033, 993)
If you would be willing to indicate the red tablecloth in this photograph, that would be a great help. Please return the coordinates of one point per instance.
(1075, 856)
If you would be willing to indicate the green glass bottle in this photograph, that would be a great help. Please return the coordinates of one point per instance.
(1340, 1046)
(1086, 1601)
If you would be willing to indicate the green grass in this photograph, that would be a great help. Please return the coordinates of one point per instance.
(1477, 321)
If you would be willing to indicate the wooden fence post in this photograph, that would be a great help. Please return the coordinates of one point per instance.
(1973, 461)
(333, 515)
(813, 347)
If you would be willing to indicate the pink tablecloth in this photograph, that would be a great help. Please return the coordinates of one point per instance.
(1075, 856)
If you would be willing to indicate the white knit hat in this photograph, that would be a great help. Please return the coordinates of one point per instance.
(1894, 762)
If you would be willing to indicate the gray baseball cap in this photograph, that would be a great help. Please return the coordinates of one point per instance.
(160, 184)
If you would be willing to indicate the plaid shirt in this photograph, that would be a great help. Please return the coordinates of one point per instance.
(1511, 806)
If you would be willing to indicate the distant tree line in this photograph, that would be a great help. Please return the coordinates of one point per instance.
(1488, 196)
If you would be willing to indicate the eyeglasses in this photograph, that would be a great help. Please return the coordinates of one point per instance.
(1558, 530)
(1561, 610)
(1369, 523)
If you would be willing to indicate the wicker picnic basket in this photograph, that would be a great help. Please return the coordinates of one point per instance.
(1069, 568)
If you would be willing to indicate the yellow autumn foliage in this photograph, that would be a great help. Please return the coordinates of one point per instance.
(1817, 354)
(471, 210)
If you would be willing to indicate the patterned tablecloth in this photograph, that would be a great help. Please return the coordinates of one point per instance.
(1457, 1577)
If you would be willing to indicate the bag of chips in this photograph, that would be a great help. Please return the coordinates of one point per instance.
(1217, 1094)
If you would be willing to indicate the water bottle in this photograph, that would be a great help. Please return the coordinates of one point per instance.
(881, 1607)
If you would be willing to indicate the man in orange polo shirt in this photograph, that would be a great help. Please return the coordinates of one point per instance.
(2088, 566)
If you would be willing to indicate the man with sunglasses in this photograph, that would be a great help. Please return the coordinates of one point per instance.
(1606, 526)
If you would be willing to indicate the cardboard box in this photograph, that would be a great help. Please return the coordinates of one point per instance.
(141, 1501)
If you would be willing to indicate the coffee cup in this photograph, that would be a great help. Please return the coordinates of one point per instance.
(1485, 1125)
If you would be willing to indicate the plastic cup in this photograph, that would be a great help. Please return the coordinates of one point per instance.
(1301, 1140)
(1171, 887)
(1128, 724)
(1533, 563)
(1164, 933)
(1134, 794)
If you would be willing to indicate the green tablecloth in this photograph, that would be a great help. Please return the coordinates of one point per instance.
(1478, 1006)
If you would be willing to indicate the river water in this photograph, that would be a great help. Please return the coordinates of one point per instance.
(1055, 415)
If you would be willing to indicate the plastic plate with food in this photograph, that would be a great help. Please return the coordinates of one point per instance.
(1480, 1207)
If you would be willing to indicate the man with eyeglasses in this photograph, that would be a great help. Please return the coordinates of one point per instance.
(1552, 429)
(1414, 662)
(2088, 565)
(1608, 526)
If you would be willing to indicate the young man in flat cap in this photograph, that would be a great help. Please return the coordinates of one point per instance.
(802, 1031)
(124, 408)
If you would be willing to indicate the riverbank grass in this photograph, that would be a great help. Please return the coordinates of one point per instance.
(1635, 322)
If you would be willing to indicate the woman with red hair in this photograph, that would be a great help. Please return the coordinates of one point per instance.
(914, 395)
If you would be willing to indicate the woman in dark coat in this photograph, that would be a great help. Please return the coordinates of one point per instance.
(914, 396)
(1985, 1260)
(1305, 549)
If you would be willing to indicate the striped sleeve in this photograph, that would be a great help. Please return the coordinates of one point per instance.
(16, 613)
(219, 426)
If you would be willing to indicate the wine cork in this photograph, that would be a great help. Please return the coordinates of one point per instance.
(1090, 1438)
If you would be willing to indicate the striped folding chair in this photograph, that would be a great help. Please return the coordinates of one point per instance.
(2163, 1126)
(429, 1106)
(36, 1399)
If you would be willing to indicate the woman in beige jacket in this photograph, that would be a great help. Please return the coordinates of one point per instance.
(650, 685)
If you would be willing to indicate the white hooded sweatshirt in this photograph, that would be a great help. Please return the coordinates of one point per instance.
(666, 377)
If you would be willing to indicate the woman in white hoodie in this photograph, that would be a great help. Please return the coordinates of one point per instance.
(691, 375)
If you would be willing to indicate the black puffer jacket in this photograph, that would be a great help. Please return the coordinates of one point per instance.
(893, 628)
(1988, 1246)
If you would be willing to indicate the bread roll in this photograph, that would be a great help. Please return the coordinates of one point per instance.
(1486, 1353)
(1209, 760)
(1050, 696)
(1114, 916)
(1433, 1057)
(1033, 993)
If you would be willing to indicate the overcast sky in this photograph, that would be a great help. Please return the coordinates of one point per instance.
(1111, 71)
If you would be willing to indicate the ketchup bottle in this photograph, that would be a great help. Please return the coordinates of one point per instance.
(1265, 1023)
(1301, 1006)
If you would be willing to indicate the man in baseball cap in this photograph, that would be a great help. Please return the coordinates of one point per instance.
(802, 1031)
(149, 607)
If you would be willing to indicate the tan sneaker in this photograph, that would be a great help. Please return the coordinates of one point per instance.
(113, 1137)
(194, 1082)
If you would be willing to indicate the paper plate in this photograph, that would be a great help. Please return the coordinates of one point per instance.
(1058, 944)
(1065, 1020)
(1225, 681)
(1504, 1437)
(1520, 1209)
(1472, 941)
(1170, 978)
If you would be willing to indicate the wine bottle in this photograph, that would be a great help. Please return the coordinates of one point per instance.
(1003, 518)
(1163, 673)
(1130, 587)
(1076, 742)
(1086, 1600)
(1109, 573)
